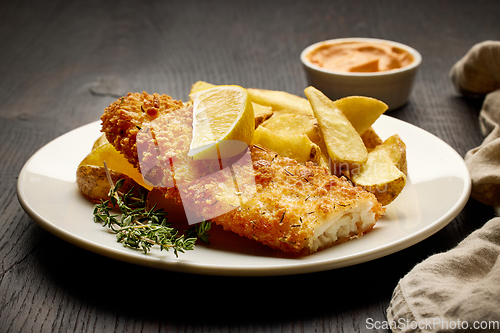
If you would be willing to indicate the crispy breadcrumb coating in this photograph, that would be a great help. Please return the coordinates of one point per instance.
(122, 120)
(291, 207)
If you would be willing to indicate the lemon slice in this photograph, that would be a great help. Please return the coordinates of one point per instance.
(222, 117)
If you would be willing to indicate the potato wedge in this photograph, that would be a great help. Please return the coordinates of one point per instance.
(397, 151)
(325, 160)
(91, 177)
(288, 122)
(93, 182)
(342, 141)
(380, 176)
(294, 124)
(262, 113)
(297, 147)
(361, 111)
(280, 100)
(371, 139)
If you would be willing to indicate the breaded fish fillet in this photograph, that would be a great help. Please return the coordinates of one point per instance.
(275, 200)
(294, 207)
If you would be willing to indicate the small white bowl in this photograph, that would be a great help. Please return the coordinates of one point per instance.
(392, 87)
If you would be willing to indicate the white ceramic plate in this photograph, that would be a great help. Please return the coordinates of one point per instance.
(438, 188)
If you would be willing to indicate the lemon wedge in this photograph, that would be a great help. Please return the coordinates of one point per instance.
(223, 122)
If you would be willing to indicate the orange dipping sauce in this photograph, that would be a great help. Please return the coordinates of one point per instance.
(360, 57)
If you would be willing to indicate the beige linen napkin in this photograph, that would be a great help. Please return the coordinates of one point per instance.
(484, 161)
(459, 290)
(478, 72)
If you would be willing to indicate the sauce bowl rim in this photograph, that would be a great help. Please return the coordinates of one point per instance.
(417, 57)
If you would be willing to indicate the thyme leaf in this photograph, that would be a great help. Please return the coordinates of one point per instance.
(140, 228)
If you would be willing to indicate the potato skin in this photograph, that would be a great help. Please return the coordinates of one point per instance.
(380, 176)
(397, 150)
(388, 192)
(343, 142)
(371, 139)
(93, 182)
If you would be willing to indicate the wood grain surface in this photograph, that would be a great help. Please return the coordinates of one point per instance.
(63, 62)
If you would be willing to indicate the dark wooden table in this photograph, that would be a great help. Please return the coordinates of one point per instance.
(63, 62)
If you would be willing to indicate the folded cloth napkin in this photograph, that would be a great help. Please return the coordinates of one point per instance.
(459, 290)
(484, 161)
(452, 291)
(478, 72)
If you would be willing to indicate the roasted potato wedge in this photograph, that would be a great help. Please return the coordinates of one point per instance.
(93, 182)
(380, 176)
(262, 113)
(371, 139)
(361, 111)
(342, 141)
(397, 151)
(91, 177)
(311, 130)
(289, 124)
(280, 100)
(299, 147)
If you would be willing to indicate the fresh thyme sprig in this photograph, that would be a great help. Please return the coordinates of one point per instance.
(140, 228)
